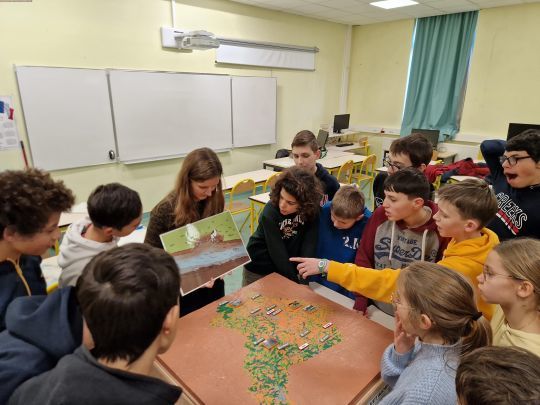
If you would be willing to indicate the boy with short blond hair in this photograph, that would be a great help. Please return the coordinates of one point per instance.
(305, 152)
(466, 253)
(341, 225)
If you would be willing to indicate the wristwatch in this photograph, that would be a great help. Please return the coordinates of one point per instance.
(323, 263)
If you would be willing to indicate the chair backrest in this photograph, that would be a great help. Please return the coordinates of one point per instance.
(281, 153)
(363, 141)
(243, 186)
(270, 182)
(368, 165)
(345, 172)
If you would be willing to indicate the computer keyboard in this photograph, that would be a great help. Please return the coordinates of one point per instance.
(341, 145)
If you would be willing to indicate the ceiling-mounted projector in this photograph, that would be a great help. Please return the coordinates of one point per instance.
(183, 39)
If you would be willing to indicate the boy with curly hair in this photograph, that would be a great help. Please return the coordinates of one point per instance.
(30, 206)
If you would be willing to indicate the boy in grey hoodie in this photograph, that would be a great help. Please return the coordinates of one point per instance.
(114, 211)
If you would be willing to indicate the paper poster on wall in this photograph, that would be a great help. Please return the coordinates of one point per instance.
(9, 138)
(205, 250)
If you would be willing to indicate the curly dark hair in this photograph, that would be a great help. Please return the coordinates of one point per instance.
(28, 198)
(529, 141)
(303, 186)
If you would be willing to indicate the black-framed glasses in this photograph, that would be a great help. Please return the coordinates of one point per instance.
(512, 160)
(388, 163)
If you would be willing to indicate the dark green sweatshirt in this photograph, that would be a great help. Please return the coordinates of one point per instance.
(279, 237)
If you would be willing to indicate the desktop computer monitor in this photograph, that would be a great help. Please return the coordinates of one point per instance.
(322, 137)
(341, 121)
(432, 135)
(516, 129)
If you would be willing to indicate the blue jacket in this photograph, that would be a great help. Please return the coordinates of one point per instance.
(339, 245)
(39, 331)
(11, 285)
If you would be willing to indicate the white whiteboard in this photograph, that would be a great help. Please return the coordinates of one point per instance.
(254, 110)
(68, 116)
(159, 115)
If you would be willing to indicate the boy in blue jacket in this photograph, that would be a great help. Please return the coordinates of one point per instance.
(341, 225)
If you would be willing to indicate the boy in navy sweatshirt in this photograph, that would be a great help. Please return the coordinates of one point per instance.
(341, 225)
(515, 174)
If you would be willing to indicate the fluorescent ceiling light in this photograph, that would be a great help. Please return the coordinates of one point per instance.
(387, 4)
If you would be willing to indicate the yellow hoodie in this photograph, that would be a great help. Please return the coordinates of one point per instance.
(466, 257)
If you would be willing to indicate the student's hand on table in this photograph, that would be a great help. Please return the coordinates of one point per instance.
(307, 266)
(403, 342)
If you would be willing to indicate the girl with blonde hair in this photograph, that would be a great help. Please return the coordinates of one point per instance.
(511, 279)
(437, 322)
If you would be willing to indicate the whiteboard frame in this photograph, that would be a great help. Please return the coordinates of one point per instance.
(55, 129)
(128, 88)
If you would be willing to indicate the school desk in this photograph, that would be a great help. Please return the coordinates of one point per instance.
(330, 161)
(215, 360)
(258, 176)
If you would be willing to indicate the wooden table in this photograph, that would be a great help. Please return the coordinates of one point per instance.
(258, 176)
(214, 360)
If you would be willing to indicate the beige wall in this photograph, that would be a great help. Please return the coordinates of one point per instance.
(125, 34)
(378, 78)
(504, 81)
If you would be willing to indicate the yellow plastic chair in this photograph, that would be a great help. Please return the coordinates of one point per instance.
(270, 182)
(345, 172)
(239, 207)
(363, 144)
(366, 172)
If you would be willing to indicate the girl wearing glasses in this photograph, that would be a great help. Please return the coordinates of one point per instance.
(437, 322)
(511, 279)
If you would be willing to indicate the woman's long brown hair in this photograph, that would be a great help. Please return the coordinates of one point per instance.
(199, 165)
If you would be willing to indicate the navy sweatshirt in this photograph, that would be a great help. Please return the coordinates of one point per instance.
(518, 213)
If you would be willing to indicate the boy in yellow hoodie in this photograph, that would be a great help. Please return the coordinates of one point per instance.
(464, 210)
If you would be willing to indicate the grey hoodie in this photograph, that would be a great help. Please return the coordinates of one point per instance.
(76, 251)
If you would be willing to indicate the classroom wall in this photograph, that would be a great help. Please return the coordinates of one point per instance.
(503, 84)
(378, 78)
(126, 34)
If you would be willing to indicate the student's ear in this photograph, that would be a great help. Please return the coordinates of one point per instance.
(168, 329)
(87, 338)
(471, 225)
(525, 289)
(418, 202)
(8, 234)
(425, 322)
(422, 167)
(318, 153)
(359, 217)
(108, 231)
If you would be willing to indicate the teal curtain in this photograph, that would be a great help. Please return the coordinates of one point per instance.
(442, 48)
